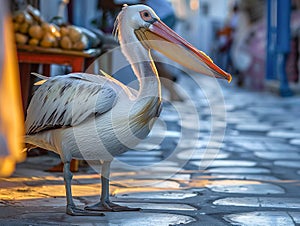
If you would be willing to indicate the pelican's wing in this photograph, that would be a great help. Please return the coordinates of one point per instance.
(68, 100)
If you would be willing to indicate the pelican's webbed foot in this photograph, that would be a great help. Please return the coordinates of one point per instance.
(75, 211)
(109, 206)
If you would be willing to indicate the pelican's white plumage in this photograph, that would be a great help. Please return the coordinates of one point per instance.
(69, 100)
(95, 117)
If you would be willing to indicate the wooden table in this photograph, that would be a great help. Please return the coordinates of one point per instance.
(30, 57)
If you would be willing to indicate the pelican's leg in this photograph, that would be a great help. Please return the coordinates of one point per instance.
(71, 208)
(105, 204)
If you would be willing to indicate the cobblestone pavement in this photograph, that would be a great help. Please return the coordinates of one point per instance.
(190, 174)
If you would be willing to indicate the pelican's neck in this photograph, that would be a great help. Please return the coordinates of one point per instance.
(141, 63)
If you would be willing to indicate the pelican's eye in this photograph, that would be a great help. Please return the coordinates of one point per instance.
(146, 16)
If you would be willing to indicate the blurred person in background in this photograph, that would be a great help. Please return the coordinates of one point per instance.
(249, 13)
(225, 39)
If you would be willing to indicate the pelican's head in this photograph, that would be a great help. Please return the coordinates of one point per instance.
(137, 16)
(154, 34)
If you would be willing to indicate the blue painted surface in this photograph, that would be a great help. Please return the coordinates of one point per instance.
(278, 42)
(283, 26)
(271, 41)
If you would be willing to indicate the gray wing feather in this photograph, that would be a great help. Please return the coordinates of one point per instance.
(69, 100)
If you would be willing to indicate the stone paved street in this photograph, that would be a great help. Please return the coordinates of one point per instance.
(186, 172)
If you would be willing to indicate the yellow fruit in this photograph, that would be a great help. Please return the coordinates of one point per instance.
(16, 26)
(66, 42)
(46, 43)
(64, 31)
(56, 44)
(82, 44)
(48, 40)
(46, 27)
(79, 46)
(33, 42)
(54, 30)
(21, 38)
(19, 17)
(24, 28)
(35, 31)
(74, 33)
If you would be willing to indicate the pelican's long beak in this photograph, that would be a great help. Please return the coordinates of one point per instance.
(164, 40)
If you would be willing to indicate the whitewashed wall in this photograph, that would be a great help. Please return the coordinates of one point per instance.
(84, 11)
(197, 24)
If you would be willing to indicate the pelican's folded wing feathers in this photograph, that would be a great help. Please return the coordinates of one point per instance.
(69, 100)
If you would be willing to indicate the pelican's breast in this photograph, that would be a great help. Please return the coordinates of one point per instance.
(114, 132)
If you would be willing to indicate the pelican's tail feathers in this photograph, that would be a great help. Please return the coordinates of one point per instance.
(44, 78)
(105, 74)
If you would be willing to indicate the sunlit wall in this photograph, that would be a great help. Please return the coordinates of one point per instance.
(198, 20)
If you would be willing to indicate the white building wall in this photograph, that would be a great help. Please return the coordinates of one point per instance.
(84, 11)
(198, 25)
(49, 9)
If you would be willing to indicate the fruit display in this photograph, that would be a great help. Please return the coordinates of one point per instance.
(31, 29)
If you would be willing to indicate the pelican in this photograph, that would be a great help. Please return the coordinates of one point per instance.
(94, 117)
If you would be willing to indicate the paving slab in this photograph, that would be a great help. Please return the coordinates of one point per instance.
(110, 218)
(235, 149)
(169, 116)
(269, 202)
(295, 216)
(288, 134)
(253, 127)
(244, 187)
(243, 170)
(194, 154)
(200, 144)
(236, 119)
(147, 146)
(274, 145)
(250, 145)
(295, 142)
(154, 175)
(173, 134)
(267, 110)
(160, 183)
(290, 124)
(288, 164)
(221, 163)
(45, 202)
(259, 218)
(143, 152)
(159, 206)
(139, 160)
(164, 195)
(278, 155)
(246, 177)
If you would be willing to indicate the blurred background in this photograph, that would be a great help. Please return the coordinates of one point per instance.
(255, 40)
(240, 35)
